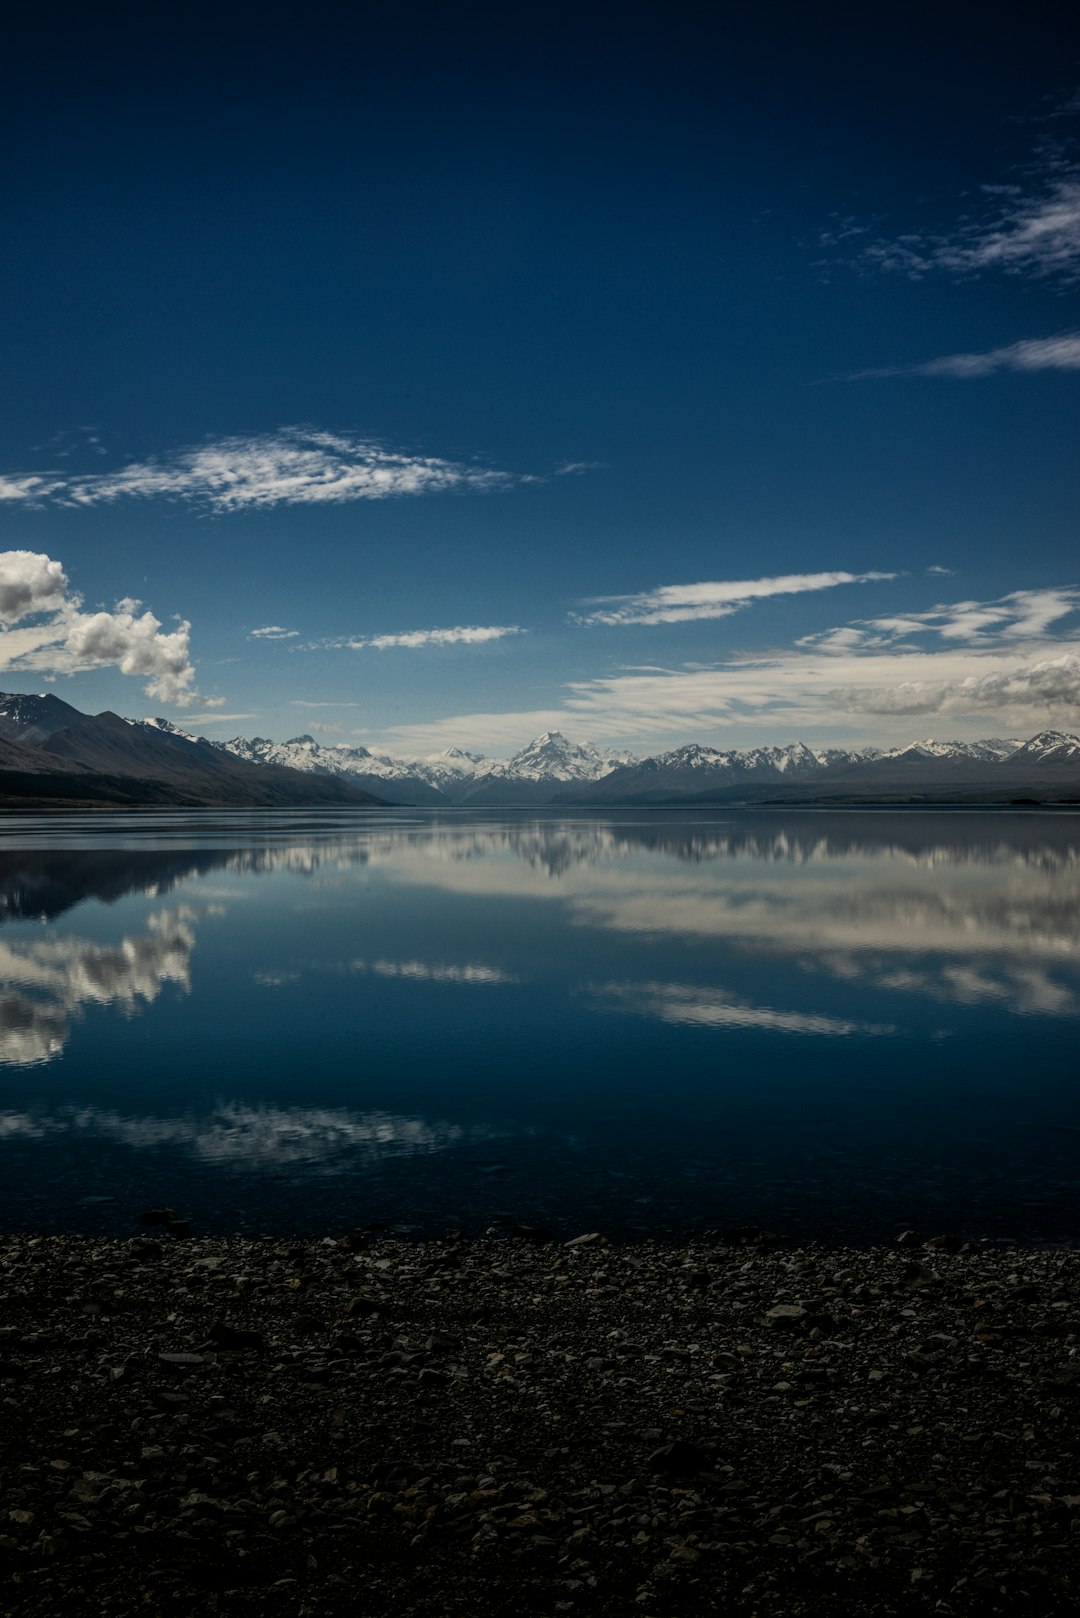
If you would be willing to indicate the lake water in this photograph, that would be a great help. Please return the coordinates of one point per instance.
(833, 1025)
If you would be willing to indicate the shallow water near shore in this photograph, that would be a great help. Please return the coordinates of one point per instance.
(830, 1024)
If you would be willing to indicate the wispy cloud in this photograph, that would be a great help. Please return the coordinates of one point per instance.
(272, 632)
(217, 718)
(46, 628)
(462, 635)
(1022, 615)
(1029, 226)
(683, 603)
(1009, 657)
(293, 466)
(1033, 354)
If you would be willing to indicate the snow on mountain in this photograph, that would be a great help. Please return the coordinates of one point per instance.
(167, 727)
(552, 763)
(1048, 747)
(552, 757)
(990, 751)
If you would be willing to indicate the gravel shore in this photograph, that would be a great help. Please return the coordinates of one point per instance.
(474, 1428)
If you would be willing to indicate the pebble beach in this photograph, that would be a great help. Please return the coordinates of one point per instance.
(357, 1425)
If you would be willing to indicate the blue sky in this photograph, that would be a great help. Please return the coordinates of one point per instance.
(649, 372)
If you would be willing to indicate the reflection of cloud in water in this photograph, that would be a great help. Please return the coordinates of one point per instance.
(25, 1126)
(235, 1135)
(473, 972)
(436, 972)
(713, 1008)
(44, 982)
(1031, 992)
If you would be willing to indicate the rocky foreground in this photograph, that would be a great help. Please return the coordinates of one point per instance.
(470, 1429)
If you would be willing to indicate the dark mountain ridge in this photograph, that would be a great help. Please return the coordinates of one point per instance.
(50, 753)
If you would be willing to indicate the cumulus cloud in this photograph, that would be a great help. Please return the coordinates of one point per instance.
(293, 466)
(462, 635)
(272, 632)
(29, 582)
(682, 603)
(1033, 354)
(45, 628)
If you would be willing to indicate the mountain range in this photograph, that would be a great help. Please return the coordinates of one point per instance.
(51, 752)
(554, 770)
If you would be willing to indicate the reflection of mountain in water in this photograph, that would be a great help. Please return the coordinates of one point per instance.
(961, 908)
(42, 883)
(46, 981)
(557, 848)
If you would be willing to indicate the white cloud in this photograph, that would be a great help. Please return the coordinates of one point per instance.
(48, 630)
(966, 657)
(1033, 354)
(29, 582)
(1052, 683)
(272, 632)
(1029, 228)
(293, 466)
(462, 635)
(682, 603)
(218, 718)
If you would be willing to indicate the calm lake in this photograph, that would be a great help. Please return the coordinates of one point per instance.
(830, 1024)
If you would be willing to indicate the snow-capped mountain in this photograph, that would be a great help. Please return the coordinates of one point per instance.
(992, 750)
(553, 769)
(1049, 747)
(452, 776)
(551, 757)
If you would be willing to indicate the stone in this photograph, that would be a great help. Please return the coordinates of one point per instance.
(679, 1458)
(786, 1314)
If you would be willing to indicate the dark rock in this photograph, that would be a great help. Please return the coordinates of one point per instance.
(157, 1216)
(147, 1252)
(354, 1241)
(538, 1234)
(679, 1459)
(222, 1335)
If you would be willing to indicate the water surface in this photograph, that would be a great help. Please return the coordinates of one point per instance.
(831, 1024)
